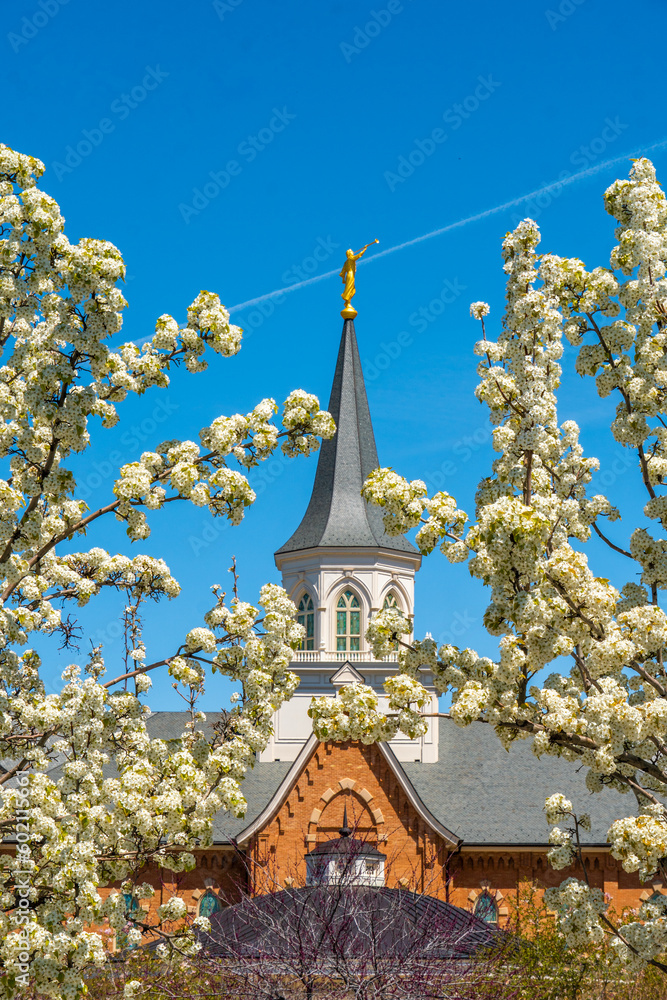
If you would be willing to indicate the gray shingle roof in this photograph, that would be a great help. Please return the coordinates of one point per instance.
(486, 795)
(315, 924)
(476, 789)
(337, 515)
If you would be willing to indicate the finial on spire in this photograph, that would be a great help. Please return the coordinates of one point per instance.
(345, 831)
(347, 276)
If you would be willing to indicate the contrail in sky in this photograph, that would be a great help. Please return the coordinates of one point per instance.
(572, 179)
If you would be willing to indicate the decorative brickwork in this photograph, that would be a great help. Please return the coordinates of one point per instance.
(356, 776)
(339, 774)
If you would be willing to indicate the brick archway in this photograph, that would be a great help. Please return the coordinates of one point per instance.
(343, 786)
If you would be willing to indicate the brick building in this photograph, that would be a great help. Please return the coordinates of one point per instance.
(454, 814)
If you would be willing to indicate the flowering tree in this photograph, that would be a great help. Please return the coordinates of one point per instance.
(609, 712)
(74, 829)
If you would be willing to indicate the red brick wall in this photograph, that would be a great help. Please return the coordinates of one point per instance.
(222, 870)
(356, 776)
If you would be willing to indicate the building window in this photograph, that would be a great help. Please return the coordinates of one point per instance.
(306, 617)
(208, 904)
(316, 870)
(391, 602)
(348, 622)
(486, 908)
(131, 907)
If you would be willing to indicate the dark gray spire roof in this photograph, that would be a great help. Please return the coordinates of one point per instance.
(337, 515)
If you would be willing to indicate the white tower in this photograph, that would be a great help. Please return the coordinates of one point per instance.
(340, 567)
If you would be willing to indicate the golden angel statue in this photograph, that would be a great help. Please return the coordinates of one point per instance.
(347, 276)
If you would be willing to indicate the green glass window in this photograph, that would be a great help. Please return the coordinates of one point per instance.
(306, 617)
(486, 908)
(131, 907)
(209, 904)
(348, 623)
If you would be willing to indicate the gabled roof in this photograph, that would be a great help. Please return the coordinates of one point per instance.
(337, 515)
(347, 675)
(476, 792)
(292, 776)
(489, 795)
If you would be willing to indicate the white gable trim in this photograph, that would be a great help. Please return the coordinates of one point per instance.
(414, 799)
(347, 675)
(288, 782)
(281, 792)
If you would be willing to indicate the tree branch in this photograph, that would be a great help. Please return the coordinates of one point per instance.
(611, 545)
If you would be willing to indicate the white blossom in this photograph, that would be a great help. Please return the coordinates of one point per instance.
(118, 800)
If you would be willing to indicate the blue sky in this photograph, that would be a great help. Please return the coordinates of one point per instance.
(243, 145)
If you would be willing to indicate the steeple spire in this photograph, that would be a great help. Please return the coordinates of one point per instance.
(337, 515)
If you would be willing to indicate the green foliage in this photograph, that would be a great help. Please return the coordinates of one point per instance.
(554, 971)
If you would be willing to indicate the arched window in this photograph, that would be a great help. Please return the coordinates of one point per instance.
(486, 908)
(208, 904)
(391, 601)
(306, 617)
(348, 622)
(131, 907)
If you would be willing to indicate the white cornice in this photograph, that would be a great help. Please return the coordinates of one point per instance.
(343, 555)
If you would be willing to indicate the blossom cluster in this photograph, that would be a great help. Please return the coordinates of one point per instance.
(406, 505)
(101, 799)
